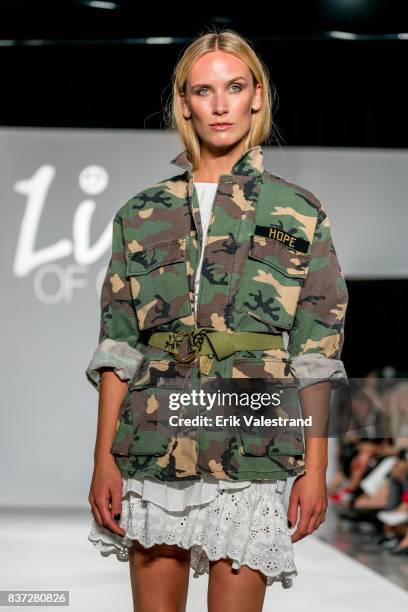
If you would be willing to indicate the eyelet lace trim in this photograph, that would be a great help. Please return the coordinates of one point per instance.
(249, 526)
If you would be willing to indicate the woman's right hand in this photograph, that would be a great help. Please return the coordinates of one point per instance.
(105, 494)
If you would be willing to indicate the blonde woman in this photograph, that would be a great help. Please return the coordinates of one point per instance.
(227, 256)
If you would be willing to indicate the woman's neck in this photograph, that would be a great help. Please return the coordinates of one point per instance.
(211, 167)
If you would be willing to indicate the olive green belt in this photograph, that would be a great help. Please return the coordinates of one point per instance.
(207, 343)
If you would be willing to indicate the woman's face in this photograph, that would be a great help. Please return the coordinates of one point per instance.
(220, 89)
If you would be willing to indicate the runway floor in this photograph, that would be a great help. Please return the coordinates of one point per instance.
(50, 550)
(356, 541)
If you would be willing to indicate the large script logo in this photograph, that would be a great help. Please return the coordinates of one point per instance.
(93, 180)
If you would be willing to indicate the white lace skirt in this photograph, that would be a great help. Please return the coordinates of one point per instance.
(247, 525)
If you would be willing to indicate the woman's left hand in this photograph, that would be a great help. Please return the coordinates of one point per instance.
(309, 491)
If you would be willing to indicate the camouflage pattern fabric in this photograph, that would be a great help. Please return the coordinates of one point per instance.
(269, 266)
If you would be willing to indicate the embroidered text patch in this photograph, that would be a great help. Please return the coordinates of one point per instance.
(275, 232)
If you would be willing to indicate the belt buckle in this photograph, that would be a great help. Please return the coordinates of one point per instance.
(195, 341)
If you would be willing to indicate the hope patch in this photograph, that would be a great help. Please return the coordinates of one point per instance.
(275, 232)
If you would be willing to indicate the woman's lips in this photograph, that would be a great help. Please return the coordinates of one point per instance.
(221, 126)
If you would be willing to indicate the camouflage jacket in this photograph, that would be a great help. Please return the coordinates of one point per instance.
(269, 266)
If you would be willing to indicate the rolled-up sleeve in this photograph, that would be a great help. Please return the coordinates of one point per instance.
(119, 331)
(317, 336)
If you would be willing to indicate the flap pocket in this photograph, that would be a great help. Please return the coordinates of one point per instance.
(255, 435)
(161, 254)
(151, 406)
(159, 283)
(271, 282)
(289, 262)
(161, 373)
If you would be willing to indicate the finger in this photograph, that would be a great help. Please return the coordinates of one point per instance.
(314, 522)
(317, 518)
(109, 523)
(301, 531)
(321, 519)
(322, 516)
(116, 505)
(95, 512)
(292, 514)
(107, 520)
(303, 526)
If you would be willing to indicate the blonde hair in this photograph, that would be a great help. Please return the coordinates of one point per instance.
(231, 42)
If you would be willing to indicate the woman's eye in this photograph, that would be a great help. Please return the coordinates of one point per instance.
(206, 88)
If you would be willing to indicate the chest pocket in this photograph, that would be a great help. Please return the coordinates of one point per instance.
(159, 283)
(271, 282)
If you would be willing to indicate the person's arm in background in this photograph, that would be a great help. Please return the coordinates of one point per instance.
(112, 367)
(315, 344)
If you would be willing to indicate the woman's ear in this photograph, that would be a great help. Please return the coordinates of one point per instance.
(186, 107)
(257, 99)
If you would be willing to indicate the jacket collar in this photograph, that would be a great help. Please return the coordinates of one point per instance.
(250, 162)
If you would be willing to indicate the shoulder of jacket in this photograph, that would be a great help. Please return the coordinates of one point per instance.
(295, 191)
(140, 199)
